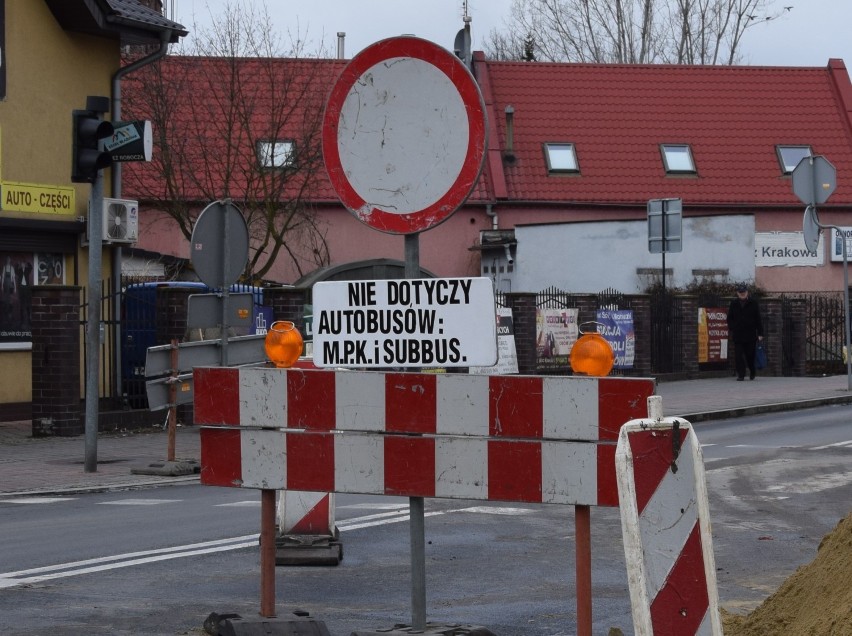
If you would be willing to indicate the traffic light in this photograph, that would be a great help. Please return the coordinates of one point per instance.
(87, 130)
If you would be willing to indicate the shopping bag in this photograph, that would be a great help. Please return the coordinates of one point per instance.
(759, 356)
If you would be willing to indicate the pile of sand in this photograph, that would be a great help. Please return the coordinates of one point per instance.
(815, 601)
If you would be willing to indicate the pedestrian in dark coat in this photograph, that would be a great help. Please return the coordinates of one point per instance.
(745, 329)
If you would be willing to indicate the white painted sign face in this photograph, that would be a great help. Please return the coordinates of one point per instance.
(785, 249)
(430, 322)
(404, 135)
(837, 244)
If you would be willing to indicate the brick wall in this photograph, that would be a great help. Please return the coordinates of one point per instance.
(56, 403)
(523, 318)
(288, 303)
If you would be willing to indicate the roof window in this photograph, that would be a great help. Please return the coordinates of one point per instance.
(677, 159)
(790, 156)
(275, 154)
(561, 158)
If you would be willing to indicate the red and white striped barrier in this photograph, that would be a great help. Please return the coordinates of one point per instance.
(507, 438)
(666, 528)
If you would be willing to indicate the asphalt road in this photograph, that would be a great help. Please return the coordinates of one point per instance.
(158, 561)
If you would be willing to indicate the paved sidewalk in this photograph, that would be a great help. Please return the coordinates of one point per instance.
(54, 465)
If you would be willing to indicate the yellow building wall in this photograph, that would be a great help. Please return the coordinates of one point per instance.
(49, 73)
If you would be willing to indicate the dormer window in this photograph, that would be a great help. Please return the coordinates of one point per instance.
(677, 159)
(790, 156)
(275, 154)
(561, 158)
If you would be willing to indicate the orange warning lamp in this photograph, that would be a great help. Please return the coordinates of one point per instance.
(283, 344)
(592, 355)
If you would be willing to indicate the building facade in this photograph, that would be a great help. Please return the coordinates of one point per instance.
(55, 54)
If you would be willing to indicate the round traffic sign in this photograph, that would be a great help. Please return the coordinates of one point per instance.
(219, 245)
(404, 135)
(810, 229)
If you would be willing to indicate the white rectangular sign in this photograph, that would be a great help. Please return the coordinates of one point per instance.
(837, 244)
(429, 322)
(785, 249)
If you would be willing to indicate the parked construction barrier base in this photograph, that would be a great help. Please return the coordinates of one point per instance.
(432, 629)
(299, 623)
(308, 549)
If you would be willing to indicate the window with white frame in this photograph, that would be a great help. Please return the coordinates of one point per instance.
(275, 154)
(790, 156)
(561, 158)
(677, 159)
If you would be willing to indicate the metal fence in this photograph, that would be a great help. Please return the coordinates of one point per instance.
(137, 318)
(824, 332)
(107, 334)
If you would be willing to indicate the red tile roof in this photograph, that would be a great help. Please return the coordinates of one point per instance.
(617, 116)
(283, 100)
(200, 88)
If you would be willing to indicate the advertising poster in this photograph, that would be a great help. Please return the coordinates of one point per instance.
(507, 354)
(19, 271)
(556, 333)
(712, 334)
(616, 326)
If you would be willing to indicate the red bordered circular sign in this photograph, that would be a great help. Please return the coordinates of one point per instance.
(404, 135)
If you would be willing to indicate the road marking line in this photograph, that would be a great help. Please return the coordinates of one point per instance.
(835, 445)
(138, 502)
(494, 510)
(236, 504)
(37, 500)
(101, 564)
(375, 506)
(73, 568)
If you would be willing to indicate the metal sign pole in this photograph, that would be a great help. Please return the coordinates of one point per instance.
(416, 505)
(846, 314)
(93, 324)
(226, 266)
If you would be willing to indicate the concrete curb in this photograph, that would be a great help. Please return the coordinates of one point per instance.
(79, 490)
(757, 409)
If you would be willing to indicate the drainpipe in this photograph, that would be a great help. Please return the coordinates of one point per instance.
(115, 191)
(489, 211)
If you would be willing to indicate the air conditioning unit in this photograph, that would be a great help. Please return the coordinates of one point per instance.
(120, 221)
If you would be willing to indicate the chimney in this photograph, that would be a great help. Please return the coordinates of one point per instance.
(341, 38)
(509, 151)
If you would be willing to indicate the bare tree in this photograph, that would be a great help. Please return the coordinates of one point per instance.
(629, 31)
(236, 119)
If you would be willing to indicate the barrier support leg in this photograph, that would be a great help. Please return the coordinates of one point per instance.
(170, 452)
(416, 515)
(267, 553)
(583, 540)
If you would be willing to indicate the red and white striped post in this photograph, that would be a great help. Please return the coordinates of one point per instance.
(665, 520)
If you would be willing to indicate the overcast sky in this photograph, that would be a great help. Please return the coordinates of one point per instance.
(808, 35)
